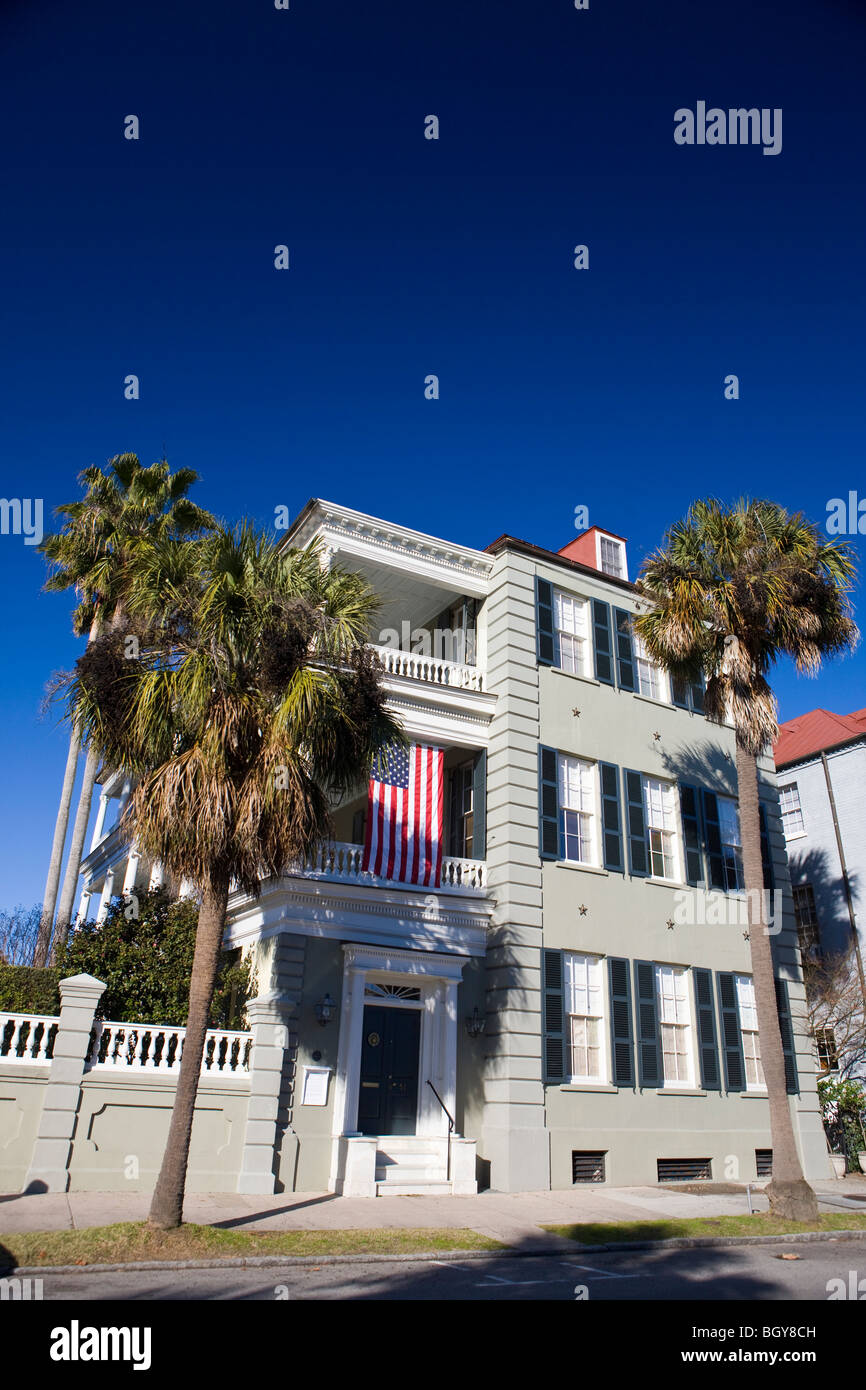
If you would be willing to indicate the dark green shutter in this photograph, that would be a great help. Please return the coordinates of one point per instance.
(544, 622)
(696, 692)
(732, 1039)
(766, 860)
(638, 861)
(611, 818)
(601, 641)
(554, 1016)
(713, 839)
(784, 1009)
(479, 806)
(624, 652)
(548, 804)
(708, 1050)
(648, 1040)
(454, 809)
(691, 834)
(621, 1038)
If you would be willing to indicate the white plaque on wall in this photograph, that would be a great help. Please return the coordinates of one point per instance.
(315, 1090)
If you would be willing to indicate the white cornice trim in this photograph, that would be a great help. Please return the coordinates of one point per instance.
(355, 533)
(425, 722)
(321, 899)
(400, 962)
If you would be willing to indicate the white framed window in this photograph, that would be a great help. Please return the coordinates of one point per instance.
(745, 988)
(651, 679)
(825, 1046)
(577, 809)
(732, 844)
(584, 1004)
(611, 556)
(675, 1025)
(661, 821)
(571, 635)
(792, 812)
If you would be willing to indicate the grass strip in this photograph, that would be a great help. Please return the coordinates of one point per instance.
(760, 1224)
(134, 1240)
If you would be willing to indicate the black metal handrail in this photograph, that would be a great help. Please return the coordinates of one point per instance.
(450, 1127)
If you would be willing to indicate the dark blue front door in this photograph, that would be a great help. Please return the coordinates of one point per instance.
(388, 1101)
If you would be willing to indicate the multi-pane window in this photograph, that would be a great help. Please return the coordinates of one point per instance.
(650, 679)
(674, 1024)
(461, 812)
(825, 1045)
(806, 917)
(792, 813)
(611, 557)
(659, 804)
(749, 1029)
(577, 803)
(570, 618)
(732, 844)
(584, 1002)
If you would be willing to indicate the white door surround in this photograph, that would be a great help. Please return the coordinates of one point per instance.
(436, 977)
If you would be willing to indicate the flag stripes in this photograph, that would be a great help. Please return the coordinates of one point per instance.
(403, 838)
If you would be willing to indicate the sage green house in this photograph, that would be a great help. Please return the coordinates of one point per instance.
(571, 1002)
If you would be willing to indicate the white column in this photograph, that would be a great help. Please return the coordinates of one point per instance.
(105, 899)
(431, 1119)
(157, 877)
(449, 1068)
(83, 907)
(100, 821)
(349, 1052)
(131, 872)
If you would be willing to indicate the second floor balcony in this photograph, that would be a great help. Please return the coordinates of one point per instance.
(339, 862)
(436, 671)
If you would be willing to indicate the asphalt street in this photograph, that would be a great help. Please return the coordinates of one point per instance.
(754, 1273)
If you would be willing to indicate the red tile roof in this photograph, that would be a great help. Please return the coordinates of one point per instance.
(811, 733)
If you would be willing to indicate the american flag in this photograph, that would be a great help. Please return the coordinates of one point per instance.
(403, 838)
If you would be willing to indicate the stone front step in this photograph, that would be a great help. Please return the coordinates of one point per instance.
(406, 1165)
(415, 1187)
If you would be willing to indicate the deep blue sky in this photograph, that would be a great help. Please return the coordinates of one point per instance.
(409, 257)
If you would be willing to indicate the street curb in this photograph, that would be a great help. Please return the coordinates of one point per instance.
(431, 1256)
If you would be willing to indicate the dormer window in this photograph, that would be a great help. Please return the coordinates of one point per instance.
(611, 557)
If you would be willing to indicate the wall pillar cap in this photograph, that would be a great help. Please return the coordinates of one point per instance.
(85, 985)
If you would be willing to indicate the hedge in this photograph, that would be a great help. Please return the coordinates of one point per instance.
(26, 990)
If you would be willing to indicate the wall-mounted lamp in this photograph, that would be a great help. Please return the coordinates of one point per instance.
(325, 1010)
(475, 1024)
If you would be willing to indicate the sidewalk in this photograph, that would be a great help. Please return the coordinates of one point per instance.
(509, 1217)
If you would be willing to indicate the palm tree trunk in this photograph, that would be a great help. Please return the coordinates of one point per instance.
(76, 846)
(49, 901)
(789, 1194)
(52, 883)
(166, 1210)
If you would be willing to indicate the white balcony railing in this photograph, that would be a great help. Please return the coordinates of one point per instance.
(432, 669)
(27, 1039)
(341, 863)
(157, 1048)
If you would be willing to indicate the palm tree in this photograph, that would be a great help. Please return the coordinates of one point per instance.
(254, 701)
(731, 592)
(123, 508)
